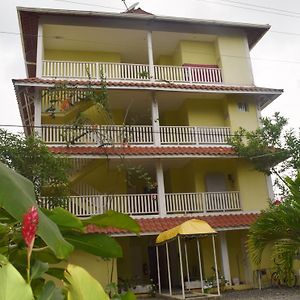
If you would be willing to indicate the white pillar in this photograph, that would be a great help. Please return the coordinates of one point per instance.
(270, 187)
(40, 50)
(200, 265)
(37, 113)
(158, 270)
(187, 262)
(181, 267)
(216, 264)
(169, 271)
(160, 188)
(150, 55)
(155, 121)
(225, 257)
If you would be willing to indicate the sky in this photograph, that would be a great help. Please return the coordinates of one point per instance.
(275, 59)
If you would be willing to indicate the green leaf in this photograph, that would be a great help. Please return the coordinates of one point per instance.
(82, 286)
(46, 255)
(128, 296)
(17, 196)
(64, 219)
(114, 219)
(56, 272)
(51, 292)
(13, 285)
(97, 244)
(38, 269)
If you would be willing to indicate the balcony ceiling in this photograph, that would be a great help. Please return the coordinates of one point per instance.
(131, 44)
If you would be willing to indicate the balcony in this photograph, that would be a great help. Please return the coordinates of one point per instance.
(96, 135)
(147, 204)
(129, 72)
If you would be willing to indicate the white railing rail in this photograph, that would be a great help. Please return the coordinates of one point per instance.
(133, 134)
(97, 134)
(193, 135)
(128, 71)
(202, 202)
(132, 204)
(147, 204)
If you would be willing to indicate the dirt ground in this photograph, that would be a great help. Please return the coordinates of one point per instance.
(256, 294)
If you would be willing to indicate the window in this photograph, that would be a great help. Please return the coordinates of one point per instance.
(243, 106)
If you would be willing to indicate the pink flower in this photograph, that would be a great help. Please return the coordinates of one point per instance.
(29, 227)
(277, 202)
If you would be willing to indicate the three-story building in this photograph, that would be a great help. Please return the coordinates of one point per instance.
(176, 89)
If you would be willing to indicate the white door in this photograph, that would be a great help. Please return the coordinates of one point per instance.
(215, 182)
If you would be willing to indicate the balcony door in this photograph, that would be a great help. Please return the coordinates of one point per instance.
(215, 182)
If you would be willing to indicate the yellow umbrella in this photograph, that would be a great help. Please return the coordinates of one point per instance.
(190, 227)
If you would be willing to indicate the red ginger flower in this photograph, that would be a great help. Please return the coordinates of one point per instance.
(29, 228)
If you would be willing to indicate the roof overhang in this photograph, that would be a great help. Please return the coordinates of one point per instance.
(156, 225)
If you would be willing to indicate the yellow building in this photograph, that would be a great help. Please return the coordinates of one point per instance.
(176, 89)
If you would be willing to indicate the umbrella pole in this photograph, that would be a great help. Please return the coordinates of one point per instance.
(187, 263)
(216, 265)
(181, 267)
(169, 272)
(200, 266)
(158, 270)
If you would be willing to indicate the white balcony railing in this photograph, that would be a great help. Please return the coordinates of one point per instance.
(202, 202)
(133, 134)
(147, 204)
(129, 72)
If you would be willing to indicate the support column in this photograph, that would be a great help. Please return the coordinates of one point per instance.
(155, 121)
(216, 264)
(39, 53)
(270, 187)
(158, 270)
(181, 267)
(37, 113)
(225, 257)
(150, 55)
(160, 188)
(169, 270)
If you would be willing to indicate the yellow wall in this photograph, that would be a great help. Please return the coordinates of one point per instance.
(239, 176)
(134, 264)
(196, 112)
(94, 265)
(206, 166)
(252, 186)
(82, 56)
(237, 118)
(205, 112)
(176, 183)
(233, 54)
(198, 53)
(106, 179)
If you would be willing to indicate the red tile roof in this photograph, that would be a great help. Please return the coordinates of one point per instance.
(157, 225)
(144, 151)
(163, 85)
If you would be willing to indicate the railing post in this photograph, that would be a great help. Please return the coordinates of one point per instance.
(190, 74)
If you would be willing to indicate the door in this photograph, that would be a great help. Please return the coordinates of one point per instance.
(215, 182)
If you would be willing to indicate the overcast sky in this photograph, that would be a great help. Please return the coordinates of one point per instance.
(275, 59)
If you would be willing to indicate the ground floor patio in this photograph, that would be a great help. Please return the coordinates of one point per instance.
(255, 294)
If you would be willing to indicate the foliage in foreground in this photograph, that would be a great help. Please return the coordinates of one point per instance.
(31, 158)
(58, 234)
(278, 226)
(274, 150)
